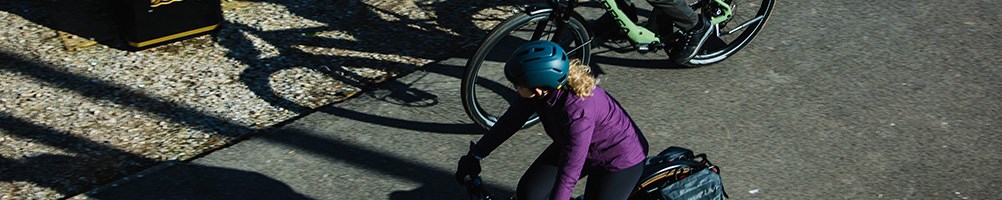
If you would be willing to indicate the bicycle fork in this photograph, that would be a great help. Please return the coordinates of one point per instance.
(557, 8)
(560, 21)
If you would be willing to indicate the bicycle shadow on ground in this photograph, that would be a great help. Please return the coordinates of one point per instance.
(600, 59)
(404, 95)
(411, 39)
(429, 39)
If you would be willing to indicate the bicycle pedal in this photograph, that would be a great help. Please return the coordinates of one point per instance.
(648, 48)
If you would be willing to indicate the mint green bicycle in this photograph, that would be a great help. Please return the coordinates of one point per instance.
(486, 93)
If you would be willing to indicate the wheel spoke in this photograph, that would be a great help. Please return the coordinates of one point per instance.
(745, 25)
(733, 34)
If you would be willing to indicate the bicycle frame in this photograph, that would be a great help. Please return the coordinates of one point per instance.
(644, 39)
(638, 34)
(725, 12)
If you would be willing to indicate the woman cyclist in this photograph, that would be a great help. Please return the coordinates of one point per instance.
(592, 134)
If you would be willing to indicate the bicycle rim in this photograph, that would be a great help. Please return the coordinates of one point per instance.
(485, 91)
(749, 16)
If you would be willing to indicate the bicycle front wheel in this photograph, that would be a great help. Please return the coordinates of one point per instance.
(485, 92)
(746, 20)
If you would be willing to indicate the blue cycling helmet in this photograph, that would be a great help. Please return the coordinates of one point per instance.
(538, 64)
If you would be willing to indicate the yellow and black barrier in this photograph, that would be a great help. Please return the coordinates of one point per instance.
(151, 22)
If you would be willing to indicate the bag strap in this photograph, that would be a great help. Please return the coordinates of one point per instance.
(709, 165)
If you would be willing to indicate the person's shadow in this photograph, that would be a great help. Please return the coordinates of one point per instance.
(176, 181)
(194, 181)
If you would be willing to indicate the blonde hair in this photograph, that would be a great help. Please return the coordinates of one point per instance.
(580, 80)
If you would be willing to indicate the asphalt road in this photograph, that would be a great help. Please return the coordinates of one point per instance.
(834, 100)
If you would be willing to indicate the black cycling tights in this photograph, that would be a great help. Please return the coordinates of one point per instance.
(539, 180)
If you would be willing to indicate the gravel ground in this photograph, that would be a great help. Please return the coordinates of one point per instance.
(74, 118)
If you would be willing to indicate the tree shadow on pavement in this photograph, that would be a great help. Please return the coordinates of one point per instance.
(62, 172)
(96, 162)
(96, 20)
(53, 171)
(90, 163)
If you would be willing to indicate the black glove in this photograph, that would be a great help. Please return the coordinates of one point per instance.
(469, 166)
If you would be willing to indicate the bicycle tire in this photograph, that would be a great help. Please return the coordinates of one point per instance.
(721, 46)
(485, 92)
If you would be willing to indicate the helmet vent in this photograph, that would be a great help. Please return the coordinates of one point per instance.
(521, 53)
(531, 59)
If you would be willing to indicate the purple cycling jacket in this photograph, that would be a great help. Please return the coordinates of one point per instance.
(593, 132)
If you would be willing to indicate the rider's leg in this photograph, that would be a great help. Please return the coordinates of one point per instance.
(677, 11)
(538, 180)
(613, 185)
(695, 28)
